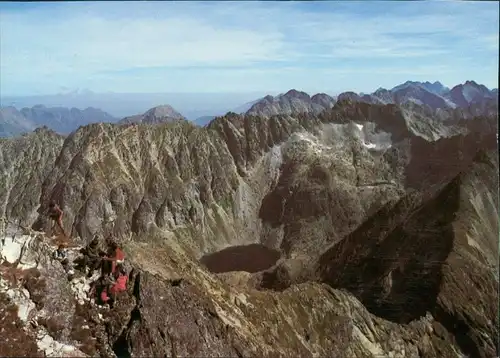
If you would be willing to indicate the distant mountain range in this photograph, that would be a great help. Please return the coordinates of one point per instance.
(63, 120)
(464, 100)
(433, 96)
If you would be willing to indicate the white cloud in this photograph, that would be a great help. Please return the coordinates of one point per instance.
(96, 44)
(69, 44)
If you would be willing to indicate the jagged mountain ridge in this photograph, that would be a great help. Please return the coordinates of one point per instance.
(295, 183)
(78, 154)
(291, 103)
(63, 120)
(12, 122)
(436, 87)
(432, 95)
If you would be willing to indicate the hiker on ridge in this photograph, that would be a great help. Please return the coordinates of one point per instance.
(55, 213)
(92, 256)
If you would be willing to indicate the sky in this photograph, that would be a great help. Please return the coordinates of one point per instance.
(267, 47)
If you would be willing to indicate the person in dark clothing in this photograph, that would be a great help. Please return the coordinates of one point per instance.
(56, 214)
(92, 256)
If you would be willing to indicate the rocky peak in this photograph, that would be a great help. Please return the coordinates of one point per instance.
(159, 114)
(349, 96)
(469, 93)
(291, 103)
(321, 97)
(163, 111)
(436, 87)
(471, 83)
(293, 93)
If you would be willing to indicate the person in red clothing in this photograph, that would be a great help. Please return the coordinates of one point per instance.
(108, 294)
(115, 255)
(56, 214)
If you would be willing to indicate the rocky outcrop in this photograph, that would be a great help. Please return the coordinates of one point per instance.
(25, 163)
(174, 307)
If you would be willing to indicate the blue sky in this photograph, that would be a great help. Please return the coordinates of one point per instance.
(266, 47)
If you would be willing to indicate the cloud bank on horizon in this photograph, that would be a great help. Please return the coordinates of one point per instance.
(244, 47)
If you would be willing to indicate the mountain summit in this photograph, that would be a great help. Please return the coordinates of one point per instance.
(159, 114)
(469, 93)
(292, 102)
(436, 87)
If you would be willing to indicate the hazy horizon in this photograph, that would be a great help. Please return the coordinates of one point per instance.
(191, 105)
(243, 48)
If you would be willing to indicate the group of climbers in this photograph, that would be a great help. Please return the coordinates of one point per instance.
(113, 276)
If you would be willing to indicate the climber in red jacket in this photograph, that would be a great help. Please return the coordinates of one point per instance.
(108, 294)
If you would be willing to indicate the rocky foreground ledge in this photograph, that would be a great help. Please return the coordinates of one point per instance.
(174, 307)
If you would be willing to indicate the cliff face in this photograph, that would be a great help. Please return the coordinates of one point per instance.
(382, 223)
(439, 243)
(25, 163)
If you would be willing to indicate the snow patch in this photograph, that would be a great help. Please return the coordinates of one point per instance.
(310, 141)
(374, 140)
(10, 249)
(360, 127)
(14, 249)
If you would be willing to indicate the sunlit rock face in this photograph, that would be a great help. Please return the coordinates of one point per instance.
(352, 209)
